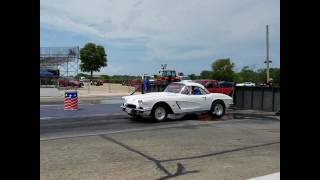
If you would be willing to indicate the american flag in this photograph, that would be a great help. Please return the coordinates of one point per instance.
(71, 101)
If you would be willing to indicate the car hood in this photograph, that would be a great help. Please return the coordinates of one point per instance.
(149, 96)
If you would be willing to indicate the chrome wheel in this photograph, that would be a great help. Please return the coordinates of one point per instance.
(218, 110)
(160, 113)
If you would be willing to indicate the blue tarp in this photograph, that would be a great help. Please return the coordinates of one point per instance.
(46, 74)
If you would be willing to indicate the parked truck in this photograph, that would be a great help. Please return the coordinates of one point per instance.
(215, 86)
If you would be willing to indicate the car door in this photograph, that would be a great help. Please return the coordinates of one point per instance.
(187, 102)
(222, 87)
(192, 102)
(206, 103)
(213, 87)
(227, 88)
(216, 87)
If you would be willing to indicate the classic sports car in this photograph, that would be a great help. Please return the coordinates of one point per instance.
(177, 98)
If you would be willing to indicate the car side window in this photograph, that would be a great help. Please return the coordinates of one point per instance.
(209, 85)
(203, 92)
(185, 91)
(196, 90)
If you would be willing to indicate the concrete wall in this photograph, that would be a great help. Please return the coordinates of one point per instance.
(49, 92)
(277, 100)
(260, 98)
(257, 93)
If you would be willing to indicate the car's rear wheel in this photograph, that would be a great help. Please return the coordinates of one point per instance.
(218, 109)
(160, 113)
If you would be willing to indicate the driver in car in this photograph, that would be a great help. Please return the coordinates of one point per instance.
(196, 91)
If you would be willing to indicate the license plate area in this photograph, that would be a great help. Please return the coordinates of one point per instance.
(128, 110)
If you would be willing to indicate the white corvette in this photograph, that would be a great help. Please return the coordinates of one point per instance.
(177, 98)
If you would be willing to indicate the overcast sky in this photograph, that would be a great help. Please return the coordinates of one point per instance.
(188, 35)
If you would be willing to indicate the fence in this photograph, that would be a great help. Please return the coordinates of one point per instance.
(260, 98)
(48, 82)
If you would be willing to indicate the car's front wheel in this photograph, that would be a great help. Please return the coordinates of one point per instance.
(218, 109)
(160, 113)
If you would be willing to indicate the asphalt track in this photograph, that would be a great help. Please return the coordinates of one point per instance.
(104, 107)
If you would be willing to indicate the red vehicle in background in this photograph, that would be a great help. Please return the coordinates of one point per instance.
(69, 83)
(227, 87)
(215, 86)
(136, 84)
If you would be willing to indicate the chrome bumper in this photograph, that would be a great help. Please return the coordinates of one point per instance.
(136, 111)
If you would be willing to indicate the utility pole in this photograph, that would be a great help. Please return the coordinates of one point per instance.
(267, 59)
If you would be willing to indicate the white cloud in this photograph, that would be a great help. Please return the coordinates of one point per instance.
(167, 28)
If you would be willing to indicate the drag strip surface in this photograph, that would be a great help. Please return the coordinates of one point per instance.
(240, 147)
(63, 128)
(85, 110)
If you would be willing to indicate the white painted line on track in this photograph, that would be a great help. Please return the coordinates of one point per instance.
(274, 176)
(44, 118)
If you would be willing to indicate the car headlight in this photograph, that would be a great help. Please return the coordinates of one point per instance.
(140, 102)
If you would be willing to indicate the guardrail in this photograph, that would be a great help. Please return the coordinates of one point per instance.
(259, 98)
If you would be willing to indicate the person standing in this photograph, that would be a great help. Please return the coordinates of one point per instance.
(146, 84)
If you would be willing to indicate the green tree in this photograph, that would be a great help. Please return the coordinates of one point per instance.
(223, 70)
(93, 57)
(104, 77)
(193, 76)
(248, 75)
(237, 78)
(274, 74)
(206, 74)
(262, 75)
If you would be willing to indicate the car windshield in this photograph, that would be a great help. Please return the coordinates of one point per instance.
(226, 84)
(169, 73)
(174, 88)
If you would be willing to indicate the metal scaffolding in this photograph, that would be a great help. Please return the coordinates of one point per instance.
(65, 59)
